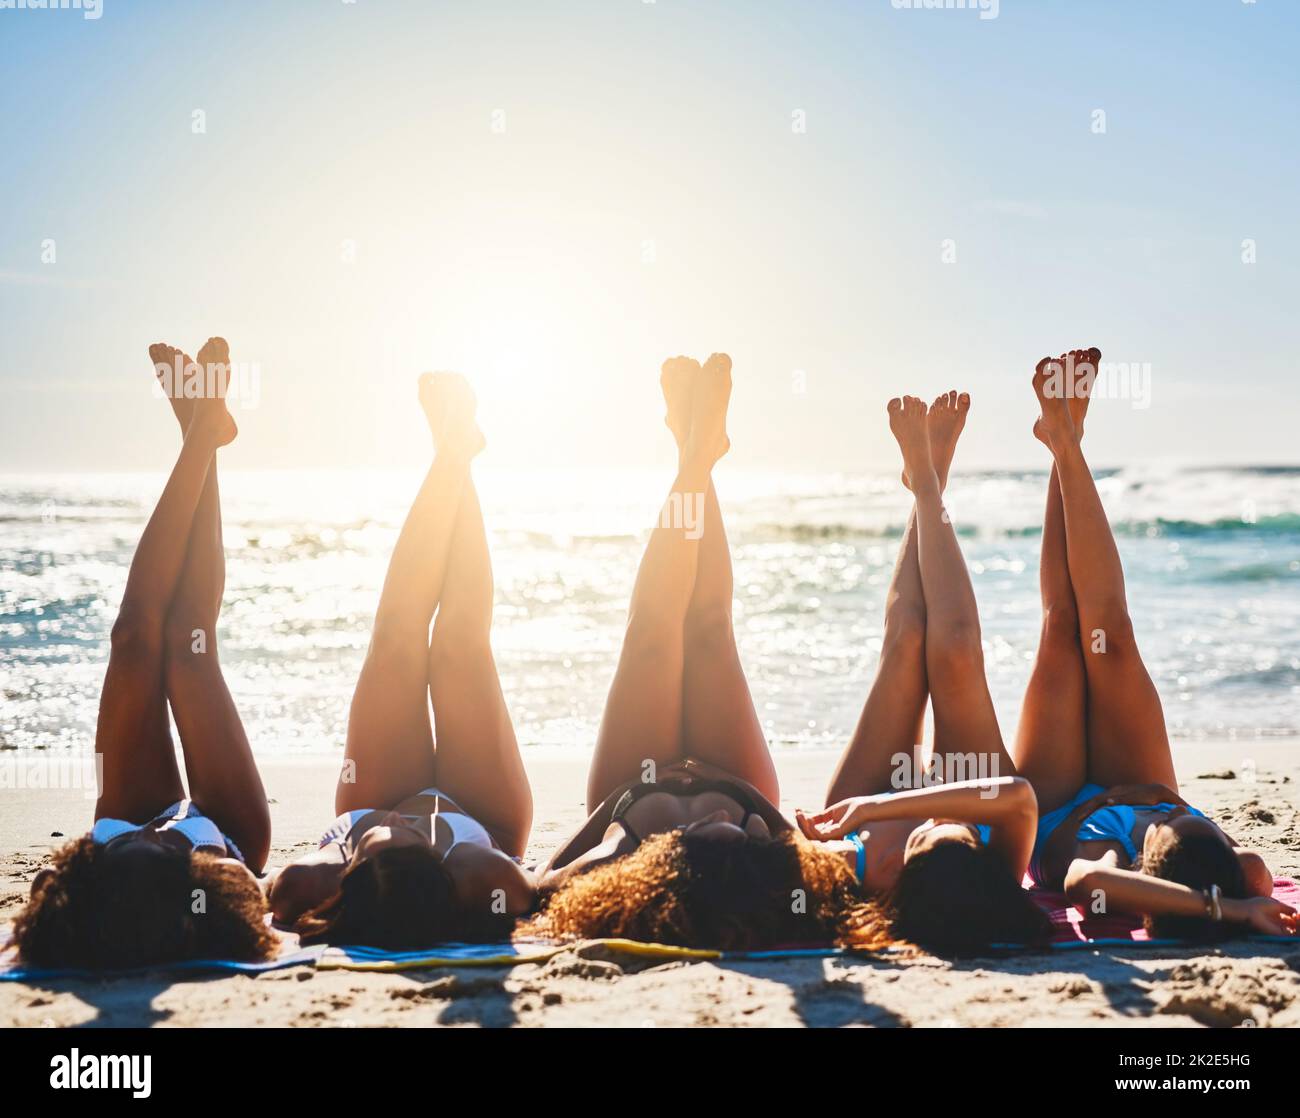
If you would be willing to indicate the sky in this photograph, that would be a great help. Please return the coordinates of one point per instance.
(853, 199)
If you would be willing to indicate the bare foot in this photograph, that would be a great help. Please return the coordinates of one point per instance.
(1079, 374)
(1085, 376)
(708, 440)
(211, 420)
(677, 379)
(449, 405)
(946, 419)
(1055, 426)
(907, 419)
(169, 365)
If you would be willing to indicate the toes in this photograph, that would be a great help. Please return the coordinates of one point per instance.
(963, 402)
(215, 351)
(894, 406)
(719, 361)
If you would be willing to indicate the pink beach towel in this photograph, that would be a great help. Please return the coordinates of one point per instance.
(1074, 928)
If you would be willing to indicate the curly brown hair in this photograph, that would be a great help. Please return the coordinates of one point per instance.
(99, 910)
(693, 891)
(400, 899)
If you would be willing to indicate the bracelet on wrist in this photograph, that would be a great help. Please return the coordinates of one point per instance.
(1213, 903)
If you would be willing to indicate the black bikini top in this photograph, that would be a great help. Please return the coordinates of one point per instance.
(681, 785)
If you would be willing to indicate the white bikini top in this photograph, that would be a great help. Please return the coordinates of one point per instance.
(464, 828)
(182, 817)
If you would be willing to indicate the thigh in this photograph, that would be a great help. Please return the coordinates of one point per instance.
(1051, 749)
(389, 753)
(477, 761)
(967, 738)
(888, 730)
(219, 766)
(133, 740)
(643, 717)
(719, 723)
(1128, 742)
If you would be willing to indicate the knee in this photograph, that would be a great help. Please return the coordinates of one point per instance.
(189, 645)
(1110, 630)
(136, 635)
(394, 644)
(956, 652)
(904, 630)
(711, 628)
(461, 624)
(650, 639)
(456, 643)
(1061, 625)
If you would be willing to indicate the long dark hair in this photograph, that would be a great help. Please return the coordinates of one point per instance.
(960, 899)
(401, 899)
(98, 909)
(1197, 861)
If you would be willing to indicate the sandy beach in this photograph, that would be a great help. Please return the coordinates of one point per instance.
(1248, 786)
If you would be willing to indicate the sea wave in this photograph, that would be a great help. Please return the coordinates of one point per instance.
(1211, 558)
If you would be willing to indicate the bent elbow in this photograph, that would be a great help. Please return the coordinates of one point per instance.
(1259, 878)
(287, 896)
(1023, 797)
(1081, 881)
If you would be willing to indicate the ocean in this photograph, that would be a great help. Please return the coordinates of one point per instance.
(1212, 558)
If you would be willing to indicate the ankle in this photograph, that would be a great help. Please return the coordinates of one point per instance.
(927, 486)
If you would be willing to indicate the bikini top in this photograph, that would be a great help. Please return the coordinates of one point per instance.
(1116, 824)
(686, 786)
(464, 828)
(183, 818)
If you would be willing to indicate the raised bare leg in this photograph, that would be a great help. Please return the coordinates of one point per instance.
(1127, 739)
(1051, 747)
(219, 767)
(893, 717)
(966, 730)
(389, 754)
(643, 713)
(140, 777)
(477, 759)
(720, 724)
